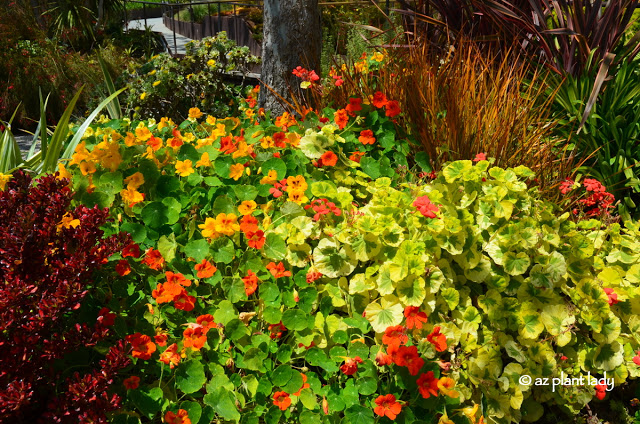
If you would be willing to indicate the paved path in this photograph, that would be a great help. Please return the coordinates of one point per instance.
(177, 46)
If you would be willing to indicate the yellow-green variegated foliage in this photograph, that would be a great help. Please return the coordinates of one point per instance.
(515, 287)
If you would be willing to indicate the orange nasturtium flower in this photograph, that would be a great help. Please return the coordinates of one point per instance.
(155, 143)
(250, 283)
(167, 292)
(142, 345)
(248, 224)
(428, 385)
(68, 221)
(387, 406)
(236, 171)
(170, 356)
(123, 268)
(278, 270)
(153, 259)
(366, 137)
(414, 317)
(341, 118)
(437, 339)
(206, 321)
(182, 417)
(247, 207)
(205, 269)
(281, 399)
(177, 278)
(195, 336)
(329, 159)
(255, 239)
(184, 168)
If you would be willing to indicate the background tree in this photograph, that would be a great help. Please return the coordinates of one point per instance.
(292, 37)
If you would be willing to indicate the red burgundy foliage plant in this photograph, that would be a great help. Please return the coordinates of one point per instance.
(48, 255)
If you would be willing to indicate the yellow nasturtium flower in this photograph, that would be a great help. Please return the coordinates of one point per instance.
(134, 181)
(236, 171)
(247, 207)
(184, 168)
(204, 160)
(270, 178)
(68, 221)
(194, 113)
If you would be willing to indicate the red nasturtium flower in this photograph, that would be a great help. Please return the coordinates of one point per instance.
(281, 400)
(379, 100)
(437, 339)
(153, 259)
(250, 283)
(408, 357)
(392, 108)
(161, 339)
(329, 159)
(132, 250)
(395, 336)
(142, 345)
(195, 336)
(354, 106)
(341, 118)
(170, 356)
(350, 365)
(313, 275)
(366, 137)
(305, 385)
(276, 330)
(414, 317)
(356, 156)
(123, 268)
(205, 269)
(184, 302)
(164, 293)
(636, 359)
(132, 382)
(255, 239)
(427, 385)
(182, 417)
(278, 271)
(425, 207)
(387, 406)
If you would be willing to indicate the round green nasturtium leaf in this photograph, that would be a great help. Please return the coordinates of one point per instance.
(154, 214)
(197, 249)
(110, 183)
(367, 385)
(138, 232)
(276, 164)
(456, 170)
(225, 313)
(272, 315)
(190, 376)
(308, 399)
(308, 417)
(148, 401)
(194, 409)
(282, 375)
(324, 190)
(358, 414)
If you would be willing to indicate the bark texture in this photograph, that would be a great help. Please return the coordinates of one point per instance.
(292, 37)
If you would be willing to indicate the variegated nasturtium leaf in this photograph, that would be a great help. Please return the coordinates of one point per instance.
(366, 246)
(608, 357)
(557, 320)
(530, 322)
(387, 313)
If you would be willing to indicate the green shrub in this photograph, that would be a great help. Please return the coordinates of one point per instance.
(170, 87)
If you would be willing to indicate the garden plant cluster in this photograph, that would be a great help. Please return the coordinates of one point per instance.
(207, 261)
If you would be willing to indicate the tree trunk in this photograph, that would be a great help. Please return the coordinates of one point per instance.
(292, 37)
